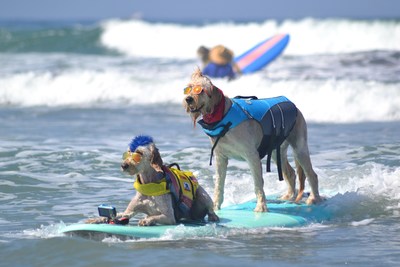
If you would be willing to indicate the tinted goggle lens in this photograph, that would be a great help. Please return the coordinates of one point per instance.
(195, 90)
(136, 157)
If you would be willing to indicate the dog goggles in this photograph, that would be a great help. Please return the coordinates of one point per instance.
(135, 156)
(195, 90)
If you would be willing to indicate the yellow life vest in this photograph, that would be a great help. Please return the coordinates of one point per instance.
(152, 189)
(181, 184)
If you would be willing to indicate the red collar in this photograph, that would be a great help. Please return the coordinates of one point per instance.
(218, 112)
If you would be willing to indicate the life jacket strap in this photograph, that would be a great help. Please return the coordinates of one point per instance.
(174, 164)
(224, 131)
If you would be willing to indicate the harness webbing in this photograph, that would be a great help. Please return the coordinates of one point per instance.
(183, 186)
(224, 131)
(276, 126)
(278, 144)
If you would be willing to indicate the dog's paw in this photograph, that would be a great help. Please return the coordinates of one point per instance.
(213, 217)
(313, 200)
(288, 196)
(146, 222)
(261, 208)
(96, 220)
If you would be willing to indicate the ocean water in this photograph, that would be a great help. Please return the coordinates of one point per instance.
(72, 95)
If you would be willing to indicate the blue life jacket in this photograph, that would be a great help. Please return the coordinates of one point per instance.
(277, 117)
(219, 71)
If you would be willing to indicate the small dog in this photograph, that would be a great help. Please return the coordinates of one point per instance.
(236, 132)
(160, 194)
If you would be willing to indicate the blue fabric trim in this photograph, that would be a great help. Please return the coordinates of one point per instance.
(218, 71)
(243, 109)
(235, 115)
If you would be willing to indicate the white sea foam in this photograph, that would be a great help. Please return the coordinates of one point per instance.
(320, 101)
(45, 231)
(362, 223)
(153, 75)
(308, 36)
(356, 191)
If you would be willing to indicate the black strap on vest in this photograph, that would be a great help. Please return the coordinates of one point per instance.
(268, 164)
(278, 161)
(223, 132)
(227, 126)
(174, 164)
(278, 143)
(271, 140)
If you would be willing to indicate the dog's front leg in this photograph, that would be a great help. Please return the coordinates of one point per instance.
(146, 206)
(159, 211)
(256, 171)
(222, 164)
(137, 205)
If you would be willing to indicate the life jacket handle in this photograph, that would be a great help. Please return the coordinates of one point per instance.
(174, 164)
(246, 97)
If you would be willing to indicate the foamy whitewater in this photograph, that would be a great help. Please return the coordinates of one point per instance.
(72, 95)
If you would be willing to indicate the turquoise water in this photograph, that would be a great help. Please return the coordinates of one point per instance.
(67, 113)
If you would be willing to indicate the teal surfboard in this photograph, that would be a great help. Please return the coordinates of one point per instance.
(241, 216)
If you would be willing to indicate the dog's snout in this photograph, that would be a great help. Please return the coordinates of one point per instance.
(124, 166)
(189, 99)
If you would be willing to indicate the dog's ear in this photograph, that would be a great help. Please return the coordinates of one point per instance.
(215, 94)
(156, 160)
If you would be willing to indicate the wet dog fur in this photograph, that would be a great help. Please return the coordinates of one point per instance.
(159, 209)
(242, 142)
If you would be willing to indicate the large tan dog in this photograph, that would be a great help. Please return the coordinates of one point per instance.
(243, 141)
(165, 194)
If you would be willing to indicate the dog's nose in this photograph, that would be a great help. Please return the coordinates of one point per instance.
(124, 166)
(189, 99)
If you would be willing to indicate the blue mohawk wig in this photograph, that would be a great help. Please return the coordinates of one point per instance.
(140, 140)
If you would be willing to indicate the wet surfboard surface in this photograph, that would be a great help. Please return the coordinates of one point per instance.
(240, 216)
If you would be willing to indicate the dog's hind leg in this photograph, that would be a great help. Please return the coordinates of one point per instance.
(303, 157)
(302, 179)
(203, 206)
(288, 172)
(298, 141)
